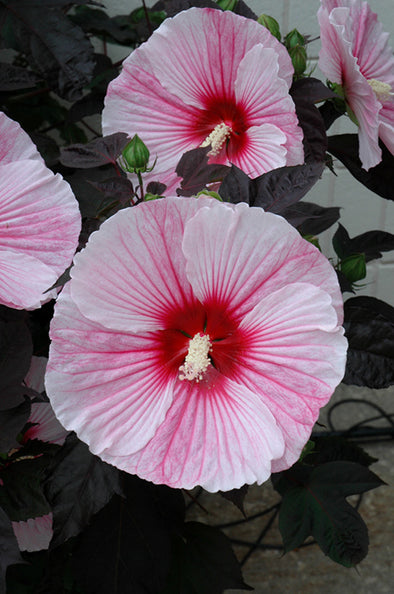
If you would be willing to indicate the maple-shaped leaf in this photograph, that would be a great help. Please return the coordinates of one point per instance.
(314, 504)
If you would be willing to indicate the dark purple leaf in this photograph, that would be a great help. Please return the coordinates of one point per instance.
(97, 22)
(89, 105)
(369, 326)
(331, 448)
(310, 218)
(47, 147)
(15, 355)
(236, 187)
(314, 503)
(79, 485)
(243, 9)
(344, 283)
(379, 179)
(116, 189)
(236, 496)
(311, 89)
(95, 153)
(54, 46)
(193, 167)
(371, 243)
(12, 422)
(9, 550)
(312, 124)
(13, 78)
(331, 111)
(156, 188)
(131, 539)
(21, 490)
(203, 562)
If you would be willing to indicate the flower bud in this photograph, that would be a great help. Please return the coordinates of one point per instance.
(135, 156)
(293, 39)
(298, 58)
(227, 4)
(271, 24)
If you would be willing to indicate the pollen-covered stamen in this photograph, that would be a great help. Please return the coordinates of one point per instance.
(217, 138)
(381, 89)
(197, 359)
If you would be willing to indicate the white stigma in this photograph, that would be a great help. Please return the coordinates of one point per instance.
(217, 138)
(197, 360)
(382, 90)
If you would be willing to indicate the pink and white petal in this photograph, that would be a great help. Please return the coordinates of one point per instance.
(332, 42)
(46, 426)
(370, 44)
(136, 103)
(200, 51)
(131, 275)
(386, 125)
(15, 144)
(24, 280)
(35, 376)
(39, 215)
(110, 387)
(294, 359)
(244, 254)
(217, 434)
(35, 534)
(265, 98)
(263, 151)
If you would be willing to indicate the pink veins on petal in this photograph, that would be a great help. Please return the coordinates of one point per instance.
(356, 55)
(39, 221)
(208, 77)
(196, 343)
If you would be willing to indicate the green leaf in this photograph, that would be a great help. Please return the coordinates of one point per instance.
(354, 267)
(314, 504)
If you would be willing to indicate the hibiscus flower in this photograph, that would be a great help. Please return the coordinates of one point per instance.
(39, 221)
(207, 77)
(196, 343)
(356, 55)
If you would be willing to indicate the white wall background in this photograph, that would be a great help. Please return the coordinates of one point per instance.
(362, 210)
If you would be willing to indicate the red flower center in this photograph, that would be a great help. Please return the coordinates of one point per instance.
(220, 111)
(212, 320)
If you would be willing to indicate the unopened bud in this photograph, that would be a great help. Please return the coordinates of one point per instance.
(227, 4)
(271, 24)
(293, 39)
(135, 156)
(298, 58)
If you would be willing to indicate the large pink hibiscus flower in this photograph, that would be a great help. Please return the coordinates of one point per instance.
(39, 221)
(355, 54)
(196, 343)
(207, 77)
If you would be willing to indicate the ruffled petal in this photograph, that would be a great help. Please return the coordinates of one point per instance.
(35, 534)
(217, 434)
(132, 274)
(293, 356)
(264, 150)
(24, 280)
(39, 215)
(200, 51)
(244, 254)
(111, 388)
(264, 96)
(15, 143)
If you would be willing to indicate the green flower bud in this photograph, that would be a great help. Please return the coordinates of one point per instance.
(293, 39)
(227, 4)
(271, 24)
(298, 58)
(135, 156)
